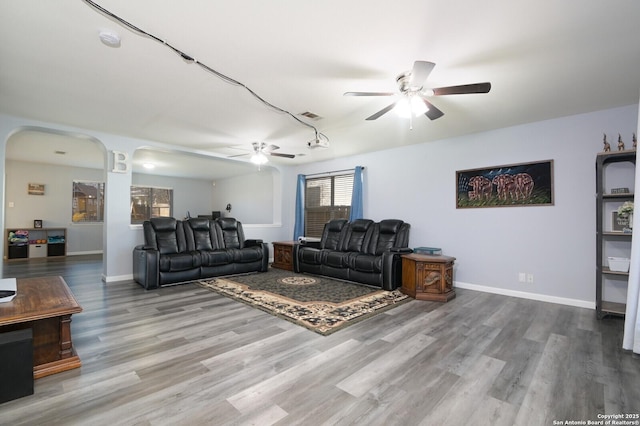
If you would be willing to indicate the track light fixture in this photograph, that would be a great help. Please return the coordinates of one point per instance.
(190, 59)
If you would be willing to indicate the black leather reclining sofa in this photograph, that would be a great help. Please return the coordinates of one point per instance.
(176, 251)
(363, 251)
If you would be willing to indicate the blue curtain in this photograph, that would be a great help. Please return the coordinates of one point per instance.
(356, 196)
(298, 230)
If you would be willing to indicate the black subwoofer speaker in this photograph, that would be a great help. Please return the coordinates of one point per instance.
(16, 364)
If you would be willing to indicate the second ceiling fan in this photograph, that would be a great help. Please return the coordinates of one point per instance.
(261, 150)
(414, 93)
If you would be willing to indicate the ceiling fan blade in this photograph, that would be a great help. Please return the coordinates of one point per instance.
(381, 112)
(463, 89)
(368, 94)
(420, 73)
(237, 155)
(277, 154)
(433, 112)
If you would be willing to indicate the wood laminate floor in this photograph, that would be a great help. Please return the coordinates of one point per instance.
(186, 356)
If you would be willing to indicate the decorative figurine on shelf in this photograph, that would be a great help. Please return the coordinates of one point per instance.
(635, 141)
(620, 143)
(607, 146)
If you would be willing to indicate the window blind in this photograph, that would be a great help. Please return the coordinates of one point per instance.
(326, 198)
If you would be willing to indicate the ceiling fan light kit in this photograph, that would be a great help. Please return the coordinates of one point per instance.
(410, 106)
(259, 158)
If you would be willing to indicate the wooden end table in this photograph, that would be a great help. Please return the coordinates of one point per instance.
(426, 277)
(45, 305)
(283, 254)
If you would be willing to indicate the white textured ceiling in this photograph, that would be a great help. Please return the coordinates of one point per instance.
(544, 58)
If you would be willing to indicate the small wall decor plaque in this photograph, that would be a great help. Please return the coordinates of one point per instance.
(619, 190)
(35, 189)
(619, 223)
(37, 223)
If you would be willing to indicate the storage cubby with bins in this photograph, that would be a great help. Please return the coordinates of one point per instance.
(31, 243)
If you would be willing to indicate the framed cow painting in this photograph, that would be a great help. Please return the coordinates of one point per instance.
(523, 184)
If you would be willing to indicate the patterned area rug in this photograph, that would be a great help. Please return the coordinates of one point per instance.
(320, 304)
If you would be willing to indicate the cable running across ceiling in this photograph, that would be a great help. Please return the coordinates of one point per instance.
(191, 59)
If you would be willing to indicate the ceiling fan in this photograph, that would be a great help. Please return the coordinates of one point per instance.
(412, 86)
(260, 152)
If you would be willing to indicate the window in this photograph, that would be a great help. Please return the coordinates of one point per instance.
(150, 202)
(326, 198)
(88, 202)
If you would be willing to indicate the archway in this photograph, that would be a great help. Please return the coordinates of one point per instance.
(52, 160)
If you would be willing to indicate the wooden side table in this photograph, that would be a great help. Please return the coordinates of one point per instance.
(283, 254)
(427, 277)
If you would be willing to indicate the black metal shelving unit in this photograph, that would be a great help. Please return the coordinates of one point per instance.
(604, 236)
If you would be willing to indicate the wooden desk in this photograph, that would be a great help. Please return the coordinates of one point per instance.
(45, 305)
(427, 277)
(283, 254)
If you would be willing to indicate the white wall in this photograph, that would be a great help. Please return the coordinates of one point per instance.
(556, 243)
(251, 196)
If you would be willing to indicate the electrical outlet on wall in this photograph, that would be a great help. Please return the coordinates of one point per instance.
(522, 277)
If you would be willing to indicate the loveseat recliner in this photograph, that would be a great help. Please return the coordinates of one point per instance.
(177, 251)
(363, 251)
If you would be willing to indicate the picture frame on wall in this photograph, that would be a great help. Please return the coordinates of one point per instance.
(35, 189)
(510, 185)
(37, 223)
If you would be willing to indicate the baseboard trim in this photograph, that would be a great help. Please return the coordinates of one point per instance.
(114, 278)
(526, 295)
(80, 253)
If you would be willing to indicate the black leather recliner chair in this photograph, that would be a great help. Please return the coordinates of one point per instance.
(178, 251)
(363, 251)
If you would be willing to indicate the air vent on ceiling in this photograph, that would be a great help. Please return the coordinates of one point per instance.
(311, 115)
